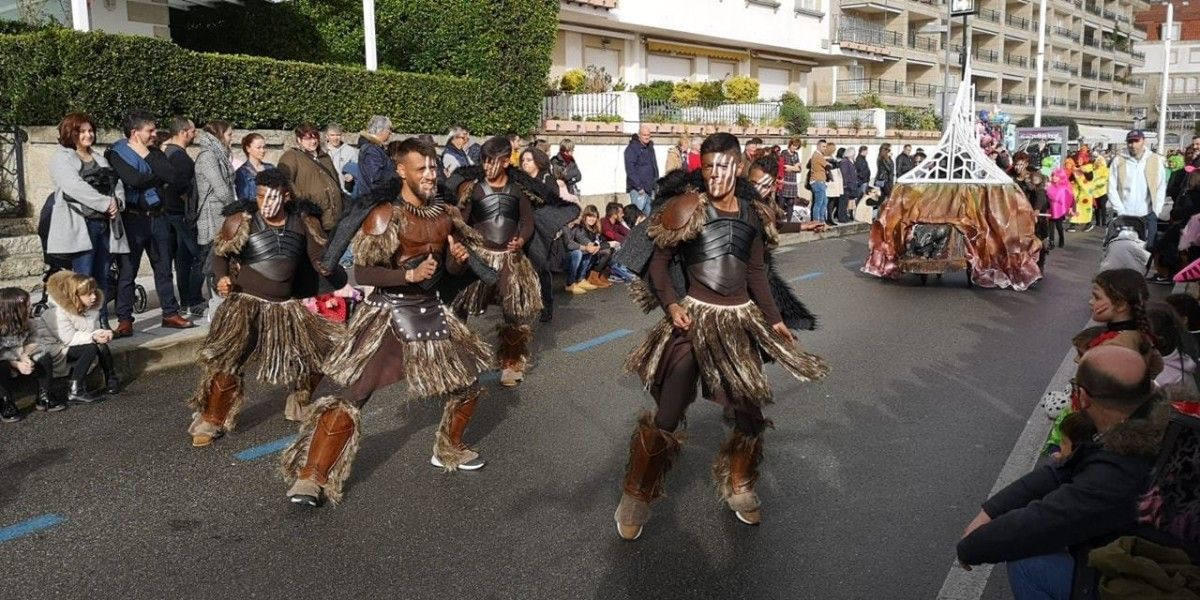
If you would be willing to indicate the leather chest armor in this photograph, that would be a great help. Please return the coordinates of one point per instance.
(274, 252)
(425, 232)
(495, 214)
(718, 256)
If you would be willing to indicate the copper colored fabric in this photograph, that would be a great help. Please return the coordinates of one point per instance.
(996, 221)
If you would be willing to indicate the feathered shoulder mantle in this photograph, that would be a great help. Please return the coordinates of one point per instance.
(463, 180)
(683, 214)
(236, 229)
(378, 239)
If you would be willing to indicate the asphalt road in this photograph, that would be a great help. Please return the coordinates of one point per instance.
(869, 477)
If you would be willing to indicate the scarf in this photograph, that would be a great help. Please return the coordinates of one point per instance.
(147, 198)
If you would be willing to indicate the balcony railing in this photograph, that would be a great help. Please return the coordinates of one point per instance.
(1091, 42)
(1015, 21)
(890, 87)
(1089, 74)
(989, 14)
(1107, 45)
(1055, 101)
(1138, 55)
(1017, 61)
(1061, 67)
(986, 97)
(872, 37)
(921, 42)
(1103, 107)
(988, 56)
(1016, 99)
(1110, 15)
(1123, 18)
(1106, 77)
(1093, 8)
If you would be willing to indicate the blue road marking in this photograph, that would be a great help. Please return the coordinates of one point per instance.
(34, 525)
(265, 449)
(596, 341)
(806, 276)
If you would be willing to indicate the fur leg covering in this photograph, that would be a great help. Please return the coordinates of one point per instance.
(217, 401)
(298, 400)
(512, 346)
(652, 451)
(448, 445)
(518, 290)
(736, 471)
(325, 447)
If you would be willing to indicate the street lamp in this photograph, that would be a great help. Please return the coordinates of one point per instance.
(1166, 56)
(1041, 66)
(957, 8)
(80, 19)
(369, 34)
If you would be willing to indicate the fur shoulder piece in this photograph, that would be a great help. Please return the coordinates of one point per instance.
(539, 194)
(241, 206)
(767, 215)
(677, 183)
(467, 235)
(679, 220)
(377, 240)
(460, 183)
(233, 234)
(1140, 436)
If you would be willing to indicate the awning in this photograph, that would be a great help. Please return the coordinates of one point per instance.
(1092, 134)
(696, 51)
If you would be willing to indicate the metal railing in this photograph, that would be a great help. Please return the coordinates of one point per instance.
(921, 42)
(1054, 101)
(1106, 77)
(986, 97)
(708, 113)
(1107, 45)
(865, 118)
(1016, 61)
(1138, 55)
(890, 87)
(1089, 74)
(1061, 67)
(1110, 15)
(871, 36)
(1093, 8)
(989, 14)
(578, 107)
(988, 56)
(1015, 21)
(1016, 99)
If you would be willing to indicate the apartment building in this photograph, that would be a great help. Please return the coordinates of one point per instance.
(900, 54)
(778, 42)
(1183, 83)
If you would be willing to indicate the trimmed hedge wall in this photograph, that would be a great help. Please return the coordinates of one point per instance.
(46, 74)
(506, 43)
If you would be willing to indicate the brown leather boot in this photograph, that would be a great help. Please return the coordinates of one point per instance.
(449, 451)
(224, 391)
(651, 453)
(331, 436)
(598, 280)
(736, 472)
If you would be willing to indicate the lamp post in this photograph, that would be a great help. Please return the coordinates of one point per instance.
(1041, 66)
(1162, 103)
(80, 19)
(369, 34)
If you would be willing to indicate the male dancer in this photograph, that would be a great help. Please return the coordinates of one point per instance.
(497, 201)
(401, 332)
(715, 238)
(258, 260)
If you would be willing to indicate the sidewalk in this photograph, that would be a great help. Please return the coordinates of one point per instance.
(154, 348)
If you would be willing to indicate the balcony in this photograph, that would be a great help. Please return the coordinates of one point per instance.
(1110, 15)
(889, 87)
(1017, 61)
(1015, 21)
(1066, 33)
(1123, 18)
(920, 42)
(1093, 8)
(1138, 55)
(1107, 45)
(1016, 99)
(1103, 107)
(870, 37)
(1106, 77)
(986, 97)
(1061, 67)
(987, 56)
(988, 14)
(1089, 74)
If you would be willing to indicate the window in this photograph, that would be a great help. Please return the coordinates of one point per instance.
(809, 6)
(668, 68)
(1191, 85)
(1162, 30)
(1194, 55)
(1174, 57)
(773, 82)
(856, 72)
(719, 70)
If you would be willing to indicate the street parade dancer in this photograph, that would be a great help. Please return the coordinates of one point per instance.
(265, 258)
(712, 235)
(406, 244)
(501, 202)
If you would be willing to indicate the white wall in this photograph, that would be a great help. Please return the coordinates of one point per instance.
(739, 21)
(117, 19)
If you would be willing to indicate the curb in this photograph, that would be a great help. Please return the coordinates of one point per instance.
(789, 239)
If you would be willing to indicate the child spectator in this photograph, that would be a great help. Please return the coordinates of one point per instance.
(1189, 308)
(1062, 202)
(21, 354)
(589, 253)
(1077, 429)
(1179, 366)
(72, 318)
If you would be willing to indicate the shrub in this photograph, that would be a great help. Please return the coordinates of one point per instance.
(794, 113)
(604, 119)
(572, 81)
(869, 100)
(686, 93)
(741, 88)
(712, 92)
(856, 123)
(596, 80)
(743, 120)
(46, 74)
(655, 91)
(831, 124)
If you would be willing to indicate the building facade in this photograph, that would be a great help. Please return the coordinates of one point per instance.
(901, 52)
(778, 42)
(1183, 82)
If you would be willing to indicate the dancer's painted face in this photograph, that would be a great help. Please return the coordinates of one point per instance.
(764, 183)
(492, 167)
(719, 171)
(270, 200)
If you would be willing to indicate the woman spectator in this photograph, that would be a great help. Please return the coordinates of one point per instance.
(885, 174)
(255, 148)
(632, 215)
(214, 185)
(677, 154)
(835, 187)
(693, 154)
(792, 165)
(589, 253)
(850, 187)
(71, 317)
(313, 176)
(536, 164)
(85, 221)
(565, 168)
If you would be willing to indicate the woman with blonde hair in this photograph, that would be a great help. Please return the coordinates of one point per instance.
(72, 318)
(677, 154)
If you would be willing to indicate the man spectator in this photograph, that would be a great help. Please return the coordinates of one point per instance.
(565, 168)
(142, 171)
(1045, 523)
(904, 162)
(818, 181)
(375, 167)
(641, 169)
(1137, 184)
(863, 169)
(179, 208)
(455, 154)
(1196, 144)
(343, 155)
(791, 174)
(312, 175)
(851, 190)
(750, 154)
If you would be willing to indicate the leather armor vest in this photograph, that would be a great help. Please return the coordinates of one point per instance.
(717, 257)
(274, 252)
(418, 316)
(495, 214)
(425, 232)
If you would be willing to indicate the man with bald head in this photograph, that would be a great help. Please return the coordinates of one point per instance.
(641, 169)
(1044, 524)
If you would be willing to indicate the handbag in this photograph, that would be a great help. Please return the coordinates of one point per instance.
(104, 181)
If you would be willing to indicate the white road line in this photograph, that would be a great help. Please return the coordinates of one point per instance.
(969, 585)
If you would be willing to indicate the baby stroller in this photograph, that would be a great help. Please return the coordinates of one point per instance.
(1138, 224)
(62, 262)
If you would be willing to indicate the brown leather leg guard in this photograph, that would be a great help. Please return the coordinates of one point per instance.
(651, 454)
(325, 448)
(448, 446)
(736, 472)
(298, 400)
(512, 346)
(217, 405)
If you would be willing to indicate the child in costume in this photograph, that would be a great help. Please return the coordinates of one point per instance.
(1062, 202)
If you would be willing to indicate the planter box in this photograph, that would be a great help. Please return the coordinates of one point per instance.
(551, 126)
(694, 129)
(845, 132)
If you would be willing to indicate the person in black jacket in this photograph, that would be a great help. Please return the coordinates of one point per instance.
(178, 195)
(863, 168)
(885, 173)
(905, 161)
(1045, 523)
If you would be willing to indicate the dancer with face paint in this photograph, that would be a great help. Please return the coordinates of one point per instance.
(714, 333)
(259, 262)
(402, 332)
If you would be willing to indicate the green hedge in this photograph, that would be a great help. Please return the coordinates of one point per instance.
(46, 74)
(507, 44)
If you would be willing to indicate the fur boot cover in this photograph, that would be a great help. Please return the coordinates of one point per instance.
(512, 345)
(748, 452)
(200, 400)
(726, 341)
(449, 451)
(431, 368)
(518, 292)
(652, 452)
(296, 455)
(299, 398)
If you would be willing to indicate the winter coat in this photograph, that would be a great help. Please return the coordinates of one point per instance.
(850, 181)
(214, 185)
(68, 229)
(1084, 503)
(674, 159)
(567, 171)
(578, 236)
(315, 179)
(885, 172)
(342, 156)
(245, 180)
(904, 164)
(60, 329)
(375, 167)
(863, 168)
(453, 158)
(641, 166)
(833, 175)
(1126, 251)
(36, 342)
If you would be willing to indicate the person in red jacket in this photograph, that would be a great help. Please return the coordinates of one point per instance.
(612, 227)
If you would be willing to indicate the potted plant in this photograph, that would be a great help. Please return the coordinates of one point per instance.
(856, 125)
